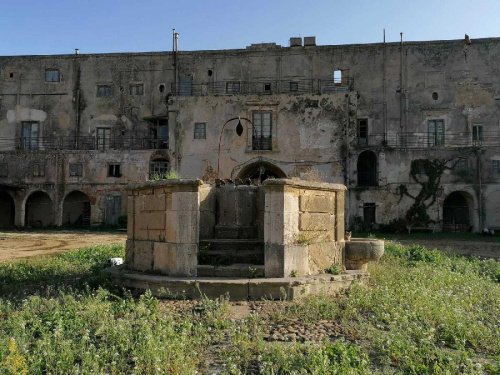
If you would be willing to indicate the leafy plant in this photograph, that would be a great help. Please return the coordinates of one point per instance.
(334, 269)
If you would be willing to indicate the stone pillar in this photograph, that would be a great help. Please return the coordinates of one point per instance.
(163, 227)
(303, 227)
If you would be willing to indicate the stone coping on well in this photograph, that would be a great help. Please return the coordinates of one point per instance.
(237, 288)
(304, 184)
(167, 182)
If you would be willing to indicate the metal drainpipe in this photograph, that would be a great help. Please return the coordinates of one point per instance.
(480, 186)
(384, 98)
(401, 88)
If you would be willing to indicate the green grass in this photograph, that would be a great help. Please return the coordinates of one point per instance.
(424, 312)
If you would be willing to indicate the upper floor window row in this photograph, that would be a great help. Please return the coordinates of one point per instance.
(52, 75)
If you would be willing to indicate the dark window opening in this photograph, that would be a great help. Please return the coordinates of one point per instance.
(456, 213)
(52, 75)
(158, 132)
(495, 166)
(4, 169)
(75, 169)
(210, 72)
(29, 135)
(435, 135)
(200, 131)
(104, 91)
(262, 131)
(369, 215)
(267, 87)
(114, 170)
(435, 95)
(367, 169)
(161, 87)
(363, 131)
(294, 86)
(477, 133)
(11, 75)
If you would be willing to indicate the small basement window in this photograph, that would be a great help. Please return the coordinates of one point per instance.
(114, 170)
(52, 75)
(104, 91)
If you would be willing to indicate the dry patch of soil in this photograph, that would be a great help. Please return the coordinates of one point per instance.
(14, 245)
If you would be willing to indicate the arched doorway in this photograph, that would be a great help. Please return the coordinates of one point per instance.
(38, 210)
(260, 171)
(367, 169)
(456, 217)
(76, 209)
(7, 210)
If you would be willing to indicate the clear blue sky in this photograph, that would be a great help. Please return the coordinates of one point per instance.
(59, 26)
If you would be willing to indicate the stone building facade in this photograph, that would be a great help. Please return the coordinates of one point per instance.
(412, 129)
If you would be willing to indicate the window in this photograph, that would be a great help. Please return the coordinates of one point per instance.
(461, 166)
(262, 131)
(477, 133)
(114, 170)
(4, 170)
(38, 170)
(104, 91)
(294, 86)
(136, 89)
(29, 135)
(369, 215)
(200, 130)
(337, 77)
(233, 87)
(267, 88)
(158, 167)
(103, 138)
(363, 131)
(75, 169)
(367, 169)
(435, 135)
(52, 75)
(495, 166)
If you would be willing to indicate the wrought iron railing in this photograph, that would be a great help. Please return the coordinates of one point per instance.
(263, 87)
(420, 140)
(83, 143)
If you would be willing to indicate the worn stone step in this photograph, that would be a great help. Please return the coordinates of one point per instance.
(231, 244)
(227, 257)
(235, 231)
(243, 270)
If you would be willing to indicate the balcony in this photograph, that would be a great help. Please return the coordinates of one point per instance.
(270, 87)
(425, 140)
(83, 143)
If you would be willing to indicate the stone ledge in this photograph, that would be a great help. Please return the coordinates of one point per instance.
(304, 184)
(237, 288)
(162, 183)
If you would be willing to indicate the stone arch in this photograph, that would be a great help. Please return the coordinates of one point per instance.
(7, 210)
(458, 212)
(260, 171)
(39, 210)
(367, 169)
(76, 209)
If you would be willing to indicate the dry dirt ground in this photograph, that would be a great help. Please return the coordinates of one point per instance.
(14, 244)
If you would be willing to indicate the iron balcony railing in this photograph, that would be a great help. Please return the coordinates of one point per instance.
(83, 143)
(421, 140)
(288, 86)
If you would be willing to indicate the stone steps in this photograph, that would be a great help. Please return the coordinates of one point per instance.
(244, 270)
(225, 252)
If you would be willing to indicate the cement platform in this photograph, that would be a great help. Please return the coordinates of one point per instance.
(237, 289)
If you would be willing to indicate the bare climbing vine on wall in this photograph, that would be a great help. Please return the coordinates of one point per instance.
(427, 173)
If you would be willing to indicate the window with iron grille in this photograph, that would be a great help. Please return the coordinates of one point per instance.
(114, 170)
(233, 87)
(435, 133)
(477, 133)
(103, 138)
(38, 170)
(75, 169)
(29, 135)
(200, 130)
(104, 91)
(4, 169)
(158, 168)
(136, 89)
(52, 75)
(262, 131)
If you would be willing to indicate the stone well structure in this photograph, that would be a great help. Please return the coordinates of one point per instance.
(273, 241)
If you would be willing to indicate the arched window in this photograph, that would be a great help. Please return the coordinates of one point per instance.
(367, 169)
(158, 168)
